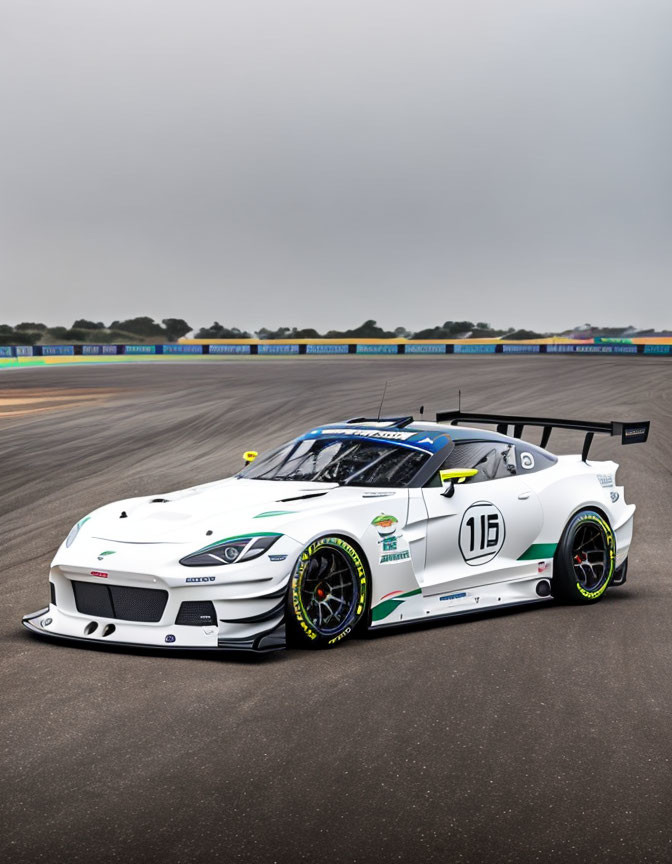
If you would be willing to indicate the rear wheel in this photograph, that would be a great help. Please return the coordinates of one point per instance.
(585, 558)
(328, 593)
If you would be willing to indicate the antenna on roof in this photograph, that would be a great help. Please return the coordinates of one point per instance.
(459, 400)
(380, 407)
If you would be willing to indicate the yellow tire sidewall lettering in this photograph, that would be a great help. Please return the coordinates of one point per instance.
(611, 551)
(300, 613)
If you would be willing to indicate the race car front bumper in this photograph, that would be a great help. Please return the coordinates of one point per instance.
(51, 623)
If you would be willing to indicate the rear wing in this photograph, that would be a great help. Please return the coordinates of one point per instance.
(630, 433)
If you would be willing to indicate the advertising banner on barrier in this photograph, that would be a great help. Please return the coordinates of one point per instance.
(520, 349)
(377, 349)
(228, 349)
(327, 349)
(182, 349)
(424, 349)
(657, 349)
(58, 350)
(278, 349)
(6, 351)
(140, 349)
(474, 349)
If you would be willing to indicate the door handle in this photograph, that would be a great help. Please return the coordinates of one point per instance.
(523, 496)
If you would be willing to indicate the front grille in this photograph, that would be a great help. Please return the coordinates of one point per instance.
(197, 613)
(118, 601)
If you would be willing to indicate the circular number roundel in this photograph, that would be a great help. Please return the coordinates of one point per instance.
(481, 533)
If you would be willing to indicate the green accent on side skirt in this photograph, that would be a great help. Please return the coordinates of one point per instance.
(387, 607)
(539, 550)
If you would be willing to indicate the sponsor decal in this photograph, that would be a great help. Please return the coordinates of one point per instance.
(526, 461)
(614, 497)
(200, 579)
(170, 638)
(395, 556)
(638, 430)
(99, 573)
(541, 566)
(606, 480)
(457, 596)
(104, 555)
(385, 524)
(482, 533)
(277, 557)
(386, 434)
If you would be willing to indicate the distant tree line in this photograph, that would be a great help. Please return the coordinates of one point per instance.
(145, 329)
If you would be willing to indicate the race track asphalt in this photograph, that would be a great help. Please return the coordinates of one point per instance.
(527, 736)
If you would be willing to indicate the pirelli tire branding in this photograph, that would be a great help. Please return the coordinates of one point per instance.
(610, 542)
(304, 621)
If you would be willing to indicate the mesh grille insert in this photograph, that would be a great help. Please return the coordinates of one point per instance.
(118, 601)
(197, 613)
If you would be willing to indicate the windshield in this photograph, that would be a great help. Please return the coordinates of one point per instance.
(334, 460)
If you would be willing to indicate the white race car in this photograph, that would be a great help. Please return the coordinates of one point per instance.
(363, 523)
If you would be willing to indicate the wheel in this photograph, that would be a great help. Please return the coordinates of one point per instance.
(328, 593)
(585, 558)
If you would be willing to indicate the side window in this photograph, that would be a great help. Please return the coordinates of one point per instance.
(532, 459)
(493, 459)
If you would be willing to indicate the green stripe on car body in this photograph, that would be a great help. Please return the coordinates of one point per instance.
(273, 513)
(539, 550)
(387, 607)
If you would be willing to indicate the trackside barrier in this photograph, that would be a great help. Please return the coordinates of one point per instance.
(13, 355)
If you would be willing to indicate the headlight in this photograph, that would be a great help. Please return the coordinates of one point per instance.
(231, 550)
(74, 531)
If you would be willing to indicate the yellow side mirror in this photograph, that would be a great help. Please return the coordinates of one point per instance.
(457, 474)
(250, 456)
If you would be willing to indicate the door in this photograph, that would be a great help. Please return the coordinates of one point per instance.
(477, 536)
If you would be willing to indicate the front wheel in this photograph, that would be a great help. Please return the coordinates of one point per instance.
(585, 558)
(328, 593)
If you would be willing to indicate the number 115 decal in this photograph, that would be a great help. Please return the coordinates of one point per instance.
(482, 533)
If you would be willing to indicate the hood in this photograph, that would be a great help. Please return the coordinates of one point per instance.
(227, 508)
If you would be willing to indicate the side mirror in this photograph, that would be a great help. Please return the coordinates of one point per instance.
(250, 456)
(452, 476)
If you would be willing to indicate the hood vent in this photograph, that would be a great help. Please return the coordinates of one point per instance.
(301, 497)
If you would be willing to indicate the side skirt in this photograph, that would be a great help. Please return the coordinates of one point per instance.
(413, 606)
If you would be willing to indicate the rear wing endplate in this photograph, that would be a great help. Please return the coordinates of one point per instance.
(630, 433)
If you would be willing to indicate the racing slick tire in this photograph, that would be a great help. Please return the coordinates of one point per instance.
(585, 559)
(328, 593)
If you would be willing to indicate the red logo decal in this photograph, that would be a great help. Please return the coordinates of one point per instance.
(98, 573)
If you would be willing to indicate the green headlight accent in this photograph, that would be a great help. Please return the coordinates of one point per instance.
(249, 536)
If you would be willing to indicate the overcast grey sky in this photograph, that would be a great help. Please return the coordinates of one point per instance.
(269, 162)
